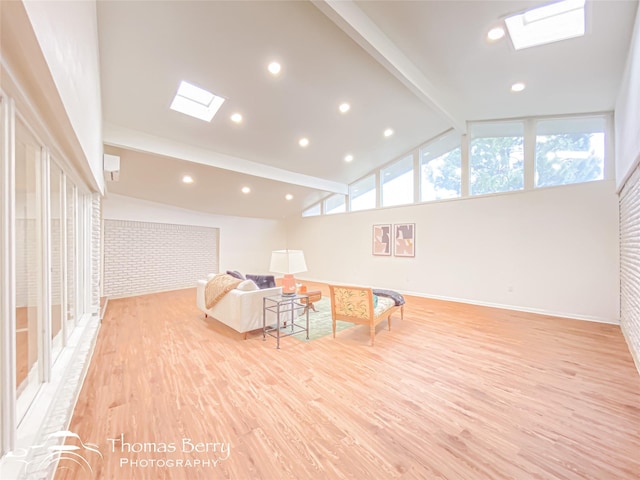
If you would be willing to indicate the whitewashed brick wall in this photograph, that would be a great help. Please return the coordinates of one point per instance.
(142, 257)
(630, 264)
(96, 238)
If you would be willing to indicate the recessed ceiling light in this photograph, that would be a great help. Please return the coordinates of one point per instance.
(236, 118)
(187, 179)
(303, 142)
(348, 158)
(388, 132)
(495, 33)
(246, 189)
(274, 68)
(196, 102)
(518, 87)
(288, 196)
(344, 107)
(550, 23)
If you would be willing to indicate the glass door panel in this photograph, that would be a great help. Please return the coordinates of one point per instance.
(57, 279)
(28, 259)
(71, 256)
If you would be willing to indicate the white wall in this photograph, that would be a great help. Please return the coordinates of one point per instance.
(627, 114)
(245, 244)
(67, 33)
(552, 250)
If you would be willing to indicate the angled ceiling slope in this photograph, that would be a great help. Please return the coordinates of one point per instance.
(419, 68)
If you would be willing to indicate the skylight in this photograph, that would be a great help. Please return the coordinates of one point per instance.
(548, 24)
(196, 102)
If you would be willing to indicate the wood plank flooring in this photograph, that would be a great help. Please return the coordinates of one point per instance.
(454, 392)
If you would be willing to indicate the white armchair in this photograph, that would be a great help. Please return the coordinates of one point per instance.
(238, 309)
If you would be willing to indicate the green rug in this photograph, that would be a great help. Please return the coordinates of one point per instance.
(320, 322)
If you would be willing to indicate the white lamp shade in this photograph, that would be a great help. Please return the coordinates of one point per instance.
(287, 261)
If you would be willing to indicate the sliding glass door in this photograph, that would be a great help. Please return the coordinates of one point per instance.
(28, 266)
(71, 254)
(57, 259)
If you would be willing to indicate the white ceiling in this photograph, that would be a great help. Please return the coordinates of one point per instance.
(420, 68)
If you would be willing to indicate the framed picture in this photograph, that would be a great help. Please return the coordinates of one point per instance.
(382, 239)
(404, 240)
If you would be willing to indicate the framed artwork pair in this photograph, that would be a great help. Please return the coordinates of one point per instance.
(400, 238)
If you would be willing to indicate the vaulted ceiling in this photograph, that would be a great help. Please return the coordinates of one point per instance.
(419, 68)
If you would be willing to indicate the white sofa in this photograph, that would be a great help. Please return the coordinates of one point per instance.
(239, 309)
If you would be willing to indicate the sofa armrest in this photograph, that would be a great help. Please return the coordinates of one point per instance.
(200, 287)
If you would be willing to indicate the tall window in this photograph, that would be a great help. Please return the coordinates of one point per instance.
(3, 236)
(29, 295)
(569, 150)
(397, 182)
(440, 168)
(57, 258)
(496, 159)
(335, 204)
(71, 254)
(362, 194)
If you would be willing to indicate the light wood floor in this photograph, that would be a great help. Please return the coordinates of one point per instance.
(453, 392)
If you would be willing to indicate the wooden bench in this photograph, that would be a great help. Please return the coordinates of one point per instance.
(356, 305)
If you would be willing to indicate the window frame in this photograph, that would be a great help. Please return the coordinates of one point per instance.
(606, 149)
(374, 189)
(409, 157)
(331, 197)
(490, 125)
(443, 138)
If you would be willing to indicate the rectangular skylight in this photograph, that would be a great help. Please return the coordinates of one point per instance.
(196, 102)
(547, 24)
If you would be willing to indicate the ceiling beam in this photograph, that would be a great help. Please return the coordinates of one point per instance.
(355, 23)
(143, 142)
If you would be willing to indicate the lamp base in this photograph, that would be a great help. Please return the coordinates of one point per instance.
(288, 285)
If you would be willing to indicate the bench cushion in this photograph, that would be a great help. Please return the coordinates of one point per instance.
(384, 303)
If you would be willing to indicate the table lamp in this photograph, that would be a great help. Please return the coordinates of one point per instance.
(288, 262)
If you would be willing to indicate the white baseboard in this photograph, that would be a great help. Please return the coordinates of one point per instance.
(538, 311)
(516, 308)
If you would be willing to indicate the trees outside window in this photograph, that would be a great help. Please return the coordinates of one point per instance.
(569, 150)
(496, 158)
(441, 168)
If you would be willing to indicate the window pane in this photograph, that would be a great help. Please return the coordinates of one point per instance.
(71, 256)
(335, 204)
(496, 158)
(397, 183)
(29, 301)
(57, 280)
(569, 150)
(362, 194)
(440, 169)
(312, 211)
